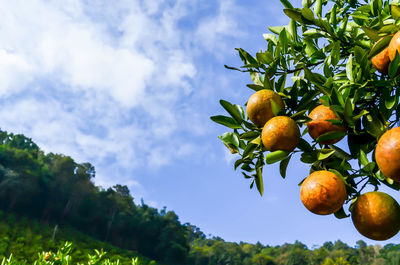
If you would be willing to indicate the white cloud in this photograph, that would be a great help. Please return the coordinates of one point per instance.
(113, 84)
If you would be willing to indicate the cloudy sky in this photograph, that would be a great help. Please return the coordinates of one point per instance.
(129, 86)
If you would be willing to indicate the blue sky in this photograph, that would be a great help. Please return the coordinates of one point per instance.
(130, 87)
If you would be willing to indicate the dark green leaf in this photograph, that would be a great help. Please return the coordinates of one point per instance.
(335, 54)
(286, 3)
(276, 156)
(249, 149)
(226, 121)
(248, 136)
(394, 66)
(283, 166)
(309, 157)
(255, 87)
(340, 214)
(238, 163)
(373, 125)
(348, 111)
(259, 181)
(304, 145)
(379, 46)
(330, 136)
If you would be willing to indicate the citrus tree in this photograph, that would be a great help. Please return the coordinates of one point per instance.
(332, 73)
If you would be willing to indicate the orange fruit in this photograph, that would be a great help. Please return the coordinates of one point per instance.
(394, 45)
(280, 133)
(320, 124)
(381, 61)
(323, 192)
(259, 109)
(376, 215)
(387, 154)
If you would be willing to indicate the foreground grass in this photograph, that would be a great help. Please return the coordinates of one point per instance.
(27, 241)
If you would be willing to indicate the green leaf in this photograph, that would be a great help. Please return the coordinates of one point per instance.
(371, 33)
(310, 47)
(395, 10)
(229, 138)
(307, 13)
(293, 14)
(304, 145)
(276, 156)
(248, 59)
(309, 157)
(343, 27)
(283, 41)
(259, 181)
(256, 78)
(373, 125)
(330, 136)
(335, 53)
(271, 38)
(226, 121)
(362, 158)
(250, 135)
(349, 68)
(231, 110)
(348, 111)
(369, 167)
(256, 141)
(249, 149)
(255, 87)
(283, 166)
(359, 54)
(388, 29)
(379, 46)
(318, 8)
(362, 113)
(238, 163)
(340, 214)
(277, 30)
(286, 3)
(240, 110)
(324, 153)
(276, 108)
(394, 65)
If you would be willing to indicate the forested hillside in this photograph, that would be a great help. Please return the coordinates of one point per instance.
(55, 189)
(39, 192)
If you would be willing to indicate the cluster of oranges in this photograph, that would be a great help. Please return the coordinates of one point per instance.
(375, 215)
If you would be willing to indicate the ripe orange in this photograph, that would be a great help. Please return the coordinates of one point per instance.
(259, 109)
(394, 46)
(280, 133)
(381, 61)
(323, 192)
(376, 215)
(387, 154)
(319, 124)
